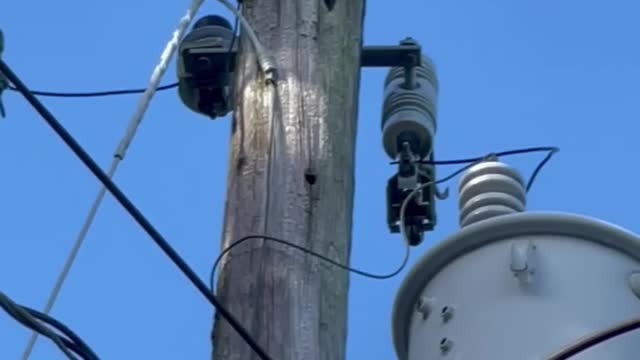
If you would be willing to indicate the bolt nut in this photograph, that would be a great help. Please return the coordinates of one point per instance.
(634, 283)
(408, 41)
(445, 345)
(447, 313)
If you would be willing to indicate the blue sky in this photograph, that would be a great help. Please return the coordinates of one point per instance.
(512, 74)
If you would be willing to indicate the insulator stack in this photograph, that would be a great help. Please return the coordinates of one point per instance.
(409, 110)
(490, 189)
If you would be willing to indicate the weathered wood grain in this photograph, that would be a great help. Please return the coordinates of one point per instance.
(295, 306)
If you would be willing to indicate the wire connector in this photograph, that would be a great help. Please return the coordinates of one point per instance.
(4, 83)
(267, 64)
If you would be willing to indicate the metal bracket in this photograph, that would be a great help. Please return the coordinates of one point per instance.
(634, 283)
(407, 54)
(522, 260)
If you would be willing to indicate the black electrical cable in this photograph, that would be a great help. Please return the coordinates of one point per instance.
(550, 150)
(541, 164)
(597, 338)
(94, 94)
(31, 319)
(306, 251)
(129, 207)
(469, 161)
(82, 346)
(123, 91)
(498, 154)
(366, 274)
(22, 317)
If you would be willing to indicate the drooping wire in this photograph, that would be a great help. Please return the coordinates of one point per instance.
(21, 316)
(105, 93)
(306, 251)
(269, 71)
(160, 241)
(550, 150)
(119, 154)
(96, 93)
(92, 94)
(82, 346)
(541, 164)
(328, 260)
(470, 163)
(595, 339)
(498, 154)
(66, 340)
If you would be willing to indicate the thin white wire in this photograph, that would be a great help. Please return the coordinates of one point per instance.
(136, 119)
(156, 77)
(267, 66)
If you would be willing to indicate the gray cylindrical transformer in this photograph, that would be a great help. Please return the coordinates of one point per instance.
(410, 111)
(518, 285)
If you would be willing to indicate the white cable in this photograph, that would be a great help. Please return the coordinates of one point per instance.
(267, 66)
(118, 156)
(156, 76)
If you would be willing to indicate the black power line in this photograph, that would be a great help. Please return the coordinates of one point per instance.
(324, 258)
(305, 251)
(94, 94)
(82, 346)
(498, 154)
(67, 340)
(551, 150)
(597, 338)
(129, 207)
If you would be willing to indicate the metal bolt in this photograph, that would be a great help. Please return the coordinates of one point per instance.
(408, 41)
(634, 283)
(446, 313)
(445, 345)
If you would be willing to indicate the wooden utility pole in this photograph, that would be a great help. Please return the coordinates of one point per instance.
(291, 176)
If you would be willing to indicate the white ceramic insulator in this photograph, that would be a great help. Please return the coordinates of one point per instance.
(490, 189)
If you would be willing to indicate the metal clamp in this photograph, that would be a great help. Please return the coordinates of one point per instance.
(522, 260)
(407, 55)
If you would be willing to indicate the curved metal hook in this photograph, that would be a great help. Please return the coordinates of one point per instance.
(442, 195)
